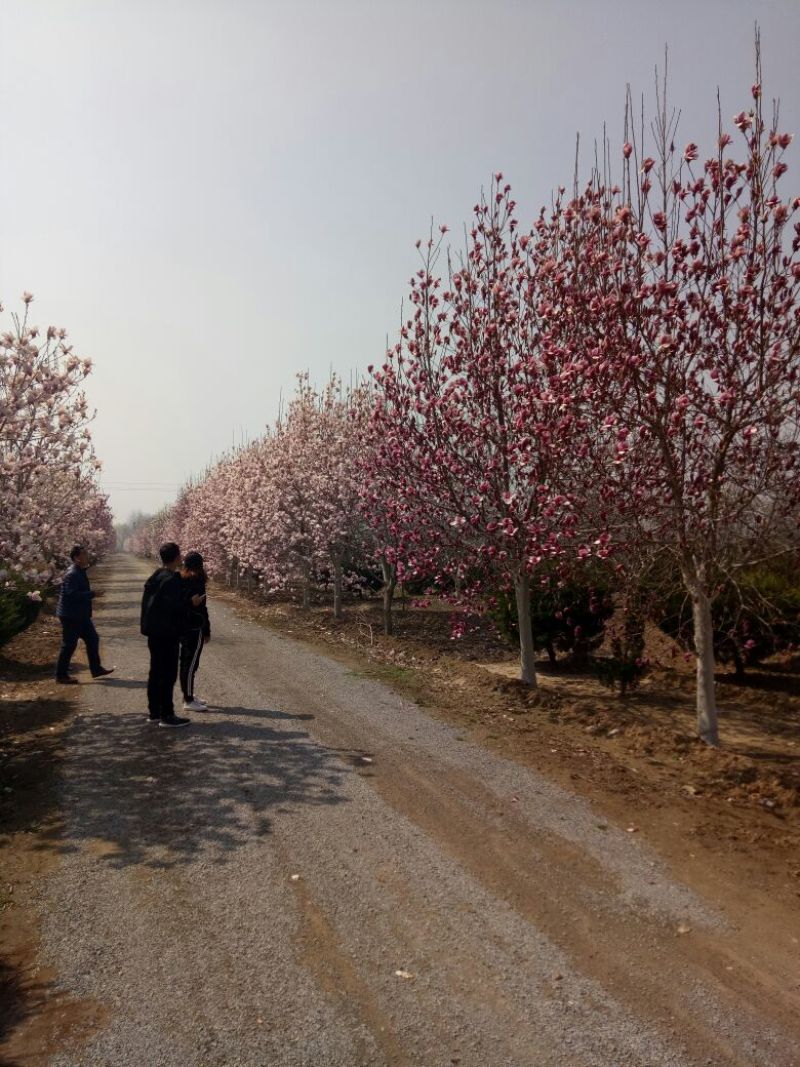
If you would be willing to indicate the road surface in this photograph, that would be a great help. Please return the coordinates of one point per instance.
(316, 872)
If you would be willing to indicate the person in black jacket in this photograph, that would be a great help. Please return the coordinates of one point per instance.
(196, 631)
(165, 606)
(75, 612)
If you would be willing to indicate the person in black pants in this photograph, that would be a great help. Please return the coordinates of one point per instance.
(75, 612)
(165, 605)
(197, 630)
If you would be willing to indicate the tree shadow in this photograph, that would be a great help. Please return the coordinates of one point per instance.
(29, 773)
(28, 672)
(264, 713)
(141, 795)
(120, 585)
(15, 1004)
(122, 683)
(762, 678)
(29, 762)
(127, 622)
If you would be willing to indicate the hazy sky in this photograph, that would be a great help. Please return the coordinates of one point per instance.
(213, 194)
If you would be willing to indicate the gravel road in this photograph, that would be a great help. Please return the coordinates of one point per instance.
(318, 873)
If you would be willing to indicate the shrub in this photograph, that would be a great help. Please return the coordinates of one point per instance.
(753, 618)
(567, 617)
(627, 664)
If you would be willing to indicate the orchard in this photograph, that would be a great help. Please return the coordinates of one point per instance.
(613, 387)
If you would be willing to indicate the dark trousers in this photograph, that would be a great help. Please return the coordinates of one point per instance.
(191, 647)
(73, 631)
(162, 677)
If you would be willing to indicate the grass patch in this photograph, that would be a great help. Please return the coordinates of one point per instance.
(406, 680)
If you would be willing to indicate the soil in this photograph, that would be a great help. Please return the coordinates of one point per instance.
(723, 816)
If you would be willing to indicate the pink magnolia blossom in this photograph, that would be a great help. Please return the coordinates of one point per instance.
(48, 489)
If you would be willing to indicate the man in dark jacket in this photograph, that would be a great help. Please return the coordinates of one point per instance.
(165, 605)
(75, 612)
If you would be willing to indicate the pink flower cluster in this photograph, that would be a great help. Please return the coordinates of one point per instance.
(49, 496)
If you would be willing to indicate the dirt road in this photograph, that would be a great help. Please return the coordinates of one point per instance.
(318, 873)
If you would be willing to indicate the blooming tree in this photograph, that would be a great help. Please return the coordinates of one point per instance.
(702, 337)
(285, 508)
(48, 489)
(478, 413)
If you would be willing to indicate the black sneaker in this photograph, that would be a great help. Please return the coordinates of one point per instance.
(174, 720)
(154, 720)
(68, 681)
(103, 672)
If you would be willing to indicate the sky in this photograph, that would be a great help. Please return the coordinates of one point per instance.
(212, 195)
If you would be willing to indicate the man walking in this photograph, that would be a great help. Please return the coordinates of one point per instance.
(164, 610)
(75, 612)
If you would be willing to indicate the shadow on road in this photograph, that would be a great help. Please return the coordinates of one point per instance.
(139, 794)
(30, 757)
(264, 713)
(13, 997)
(123, 683)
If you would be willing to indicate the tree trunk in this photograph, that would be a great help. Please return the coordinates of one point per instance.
(337, 590)
(551, 652)
(307, 592)
(522, 589)
(738, 661)
(704, 647)
(389, 582)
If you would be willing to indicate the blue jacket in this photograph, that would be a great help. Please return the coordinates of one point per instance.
(75, 598)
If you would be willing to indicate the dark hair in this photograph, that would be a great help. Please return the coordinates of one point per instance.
(169, 553)
(75, 552)
(193, 564)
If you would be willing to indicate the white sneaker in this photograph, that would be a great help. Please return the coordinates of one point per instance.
(194, 705)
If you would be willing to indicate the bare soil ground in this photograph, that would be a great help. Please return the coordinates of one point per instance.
(726, 817)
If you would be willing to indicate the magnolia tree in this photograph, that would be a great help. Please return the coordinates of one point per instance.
(48, 490)
(308, 489)
(700, 347)
(480, 413)
(284, 509)
(342, 416)
(387, 535)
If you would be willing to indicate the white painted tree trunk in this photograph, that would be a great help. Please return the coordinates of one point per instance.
(704, 648)
(522, 590)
